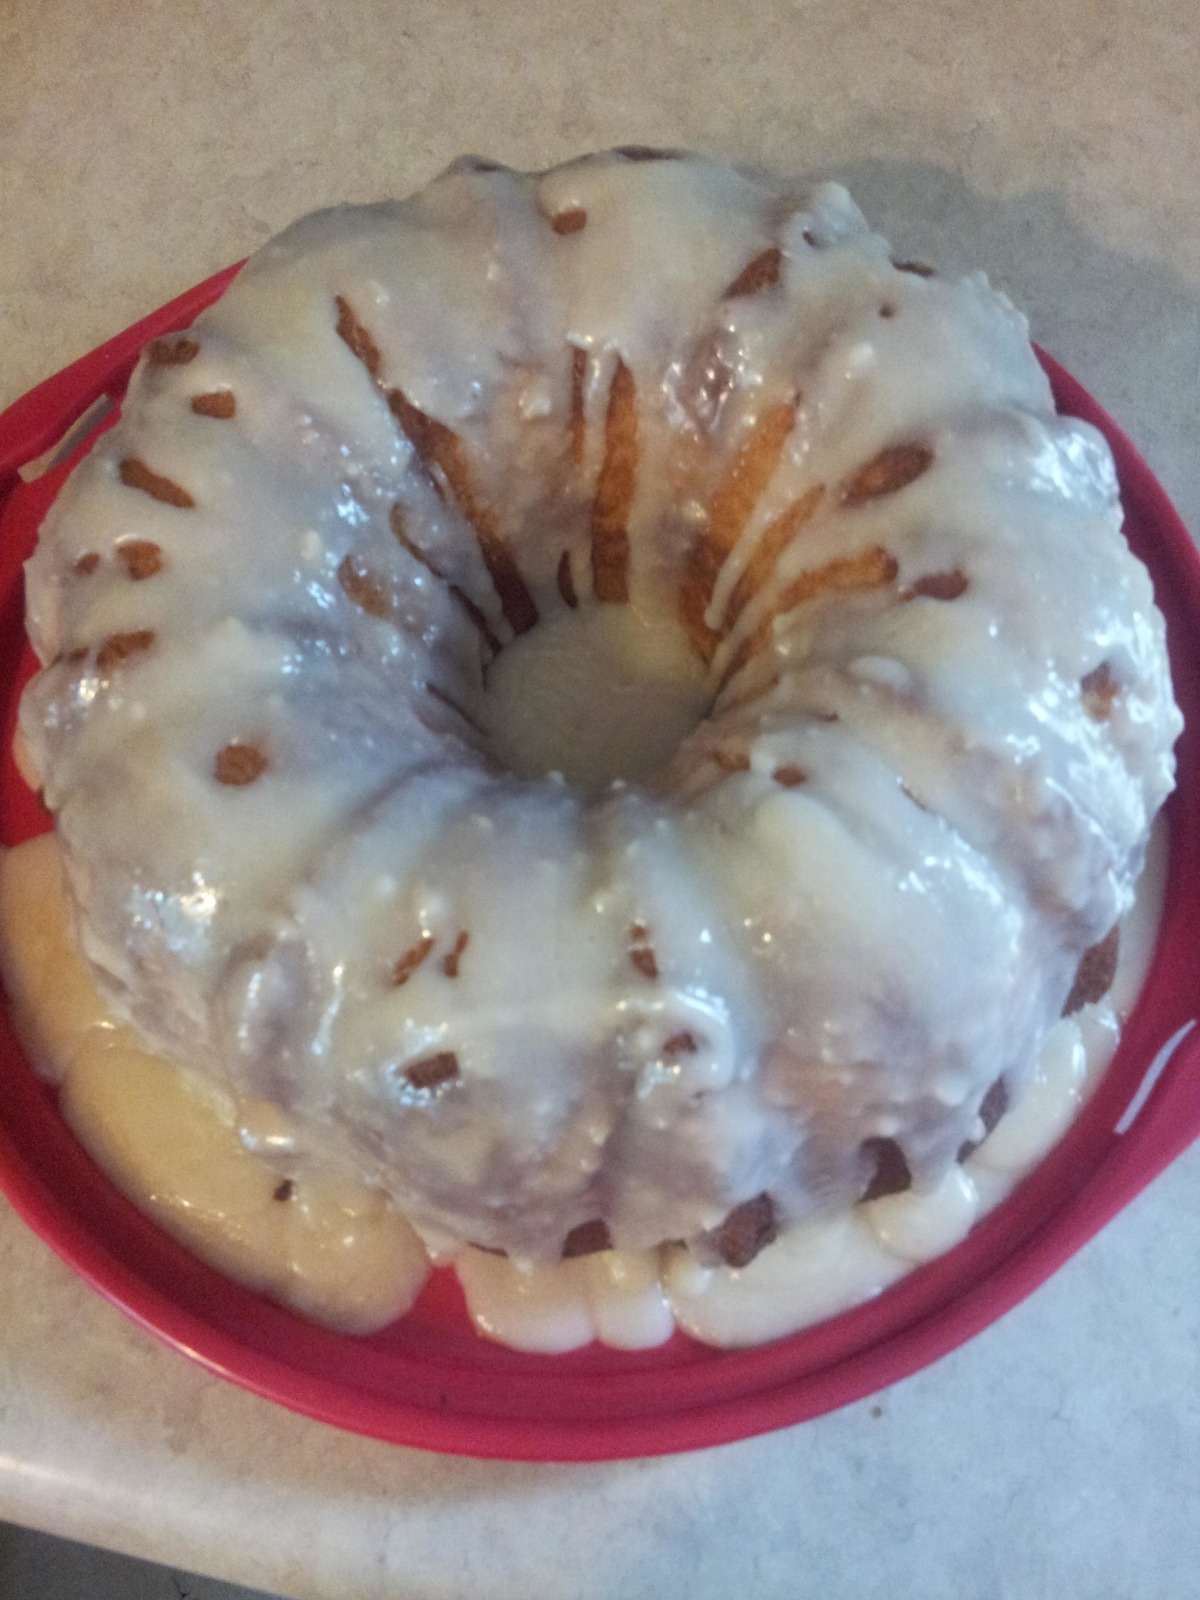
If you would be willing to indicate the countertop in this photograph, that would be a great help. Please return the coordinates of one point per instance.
(1055, 143)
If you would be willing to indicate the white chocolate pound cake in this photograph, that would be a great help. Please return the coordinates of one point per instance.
(613, 705)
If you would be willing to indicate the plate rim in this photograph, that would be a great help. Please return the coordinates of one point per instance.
(949, 1306)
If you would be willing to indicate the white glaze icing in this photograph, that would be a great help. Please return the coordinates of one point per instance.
(615, 1297)
(813, 1271)
(916, 1226)
(336, 1251)
(861, 955)
(331, 1247)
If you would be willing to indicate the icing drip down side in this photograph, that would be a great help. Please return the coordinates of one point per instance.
(227, 1179)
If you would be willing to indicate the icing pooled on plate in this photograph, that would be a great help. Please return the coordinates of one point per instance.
(212, 1173)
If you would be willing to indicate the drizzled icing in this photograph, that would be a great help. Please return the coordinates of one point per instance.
(206, 1169)
(862, 885)
(209, 1171)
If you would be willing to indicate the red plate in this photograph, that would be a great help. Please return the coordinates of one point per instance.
(428, 1380)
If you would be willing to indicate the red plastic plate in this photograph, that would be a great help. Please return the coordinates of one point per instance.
(429, 1380)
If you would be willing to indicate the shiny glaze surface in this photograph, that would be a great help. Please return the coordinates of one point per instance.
(857, 954)
(210, 1172)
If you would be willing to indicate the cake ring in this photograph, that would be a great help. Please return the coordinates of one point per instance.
(611, 705)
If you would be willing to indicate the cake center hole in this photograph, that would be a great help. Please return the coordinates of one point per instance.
(595, 694)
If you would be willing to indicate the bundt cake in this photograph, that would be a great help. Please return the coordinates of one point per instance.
(612, 703)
